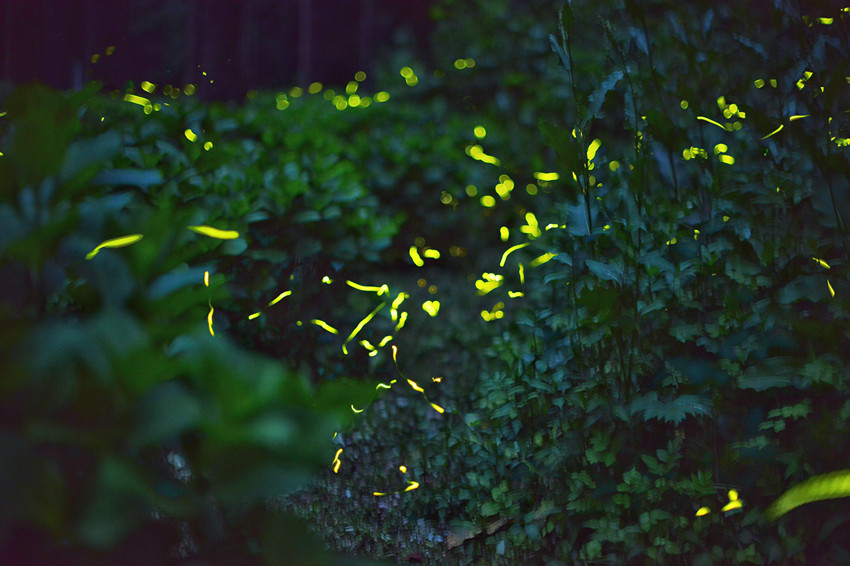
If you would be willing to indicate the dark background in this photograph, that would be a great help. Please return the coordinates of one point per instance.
(240, 44)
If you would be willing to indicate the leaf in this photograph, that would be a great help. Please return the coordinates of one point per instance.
(673, 410)
(559, 51)
(825, 486)
(597, 97)
(605, 271)
(134, 177)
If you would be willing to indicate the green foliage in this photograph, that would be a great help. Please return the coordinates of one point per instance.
(657, 358)
(121, 413)
(680, 345)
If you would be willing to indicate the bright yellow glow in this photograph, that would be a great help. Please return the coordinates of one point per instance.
(148, 87)
(208, 145)
(702, 511)
(406, 72)
(504, 233)
(831, 290)
(325, 325)
(521, 274)
(415, 386)
(356, 410)
(351, 87)
(798, 117)
(720, 148)
(215, 232)
(431, 307)
(378, 494)
(460, 64)
(327, 280)
(140, 100)
(354, 101)
(511, 250)
(727, 159)
(488, 201)
(210, 320)
(314, 88)
(414, 255)
(710, 121)
(542, 259)
(253, 316)
(413, 485)
(382, 290)
(115, 243)
(479, 131)
(488, 282)
(399, 299)
(546, 176)
(759, 83)
(401, 320)
(515, 294)
(821, 263)
(402, 469)
(362, 323)
(431, 254)
(531, 228)
(593, 148)
(684, 104)
(777, 130)
(382, 96)
(206, 278)
(279, 297)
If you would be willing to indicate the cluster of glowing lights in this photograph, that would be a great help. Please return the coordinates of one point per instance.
(409, 76)
(96, 56)
(826, 266)
(415, 386)
(495, 313)
(504, 187)
(349, 99)
(411, 485)
(431, 307)
(730, 112)
(489, 282)
(477, 152)
(428, 253)
(531, 228)
(734, 503)
(466, 63)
